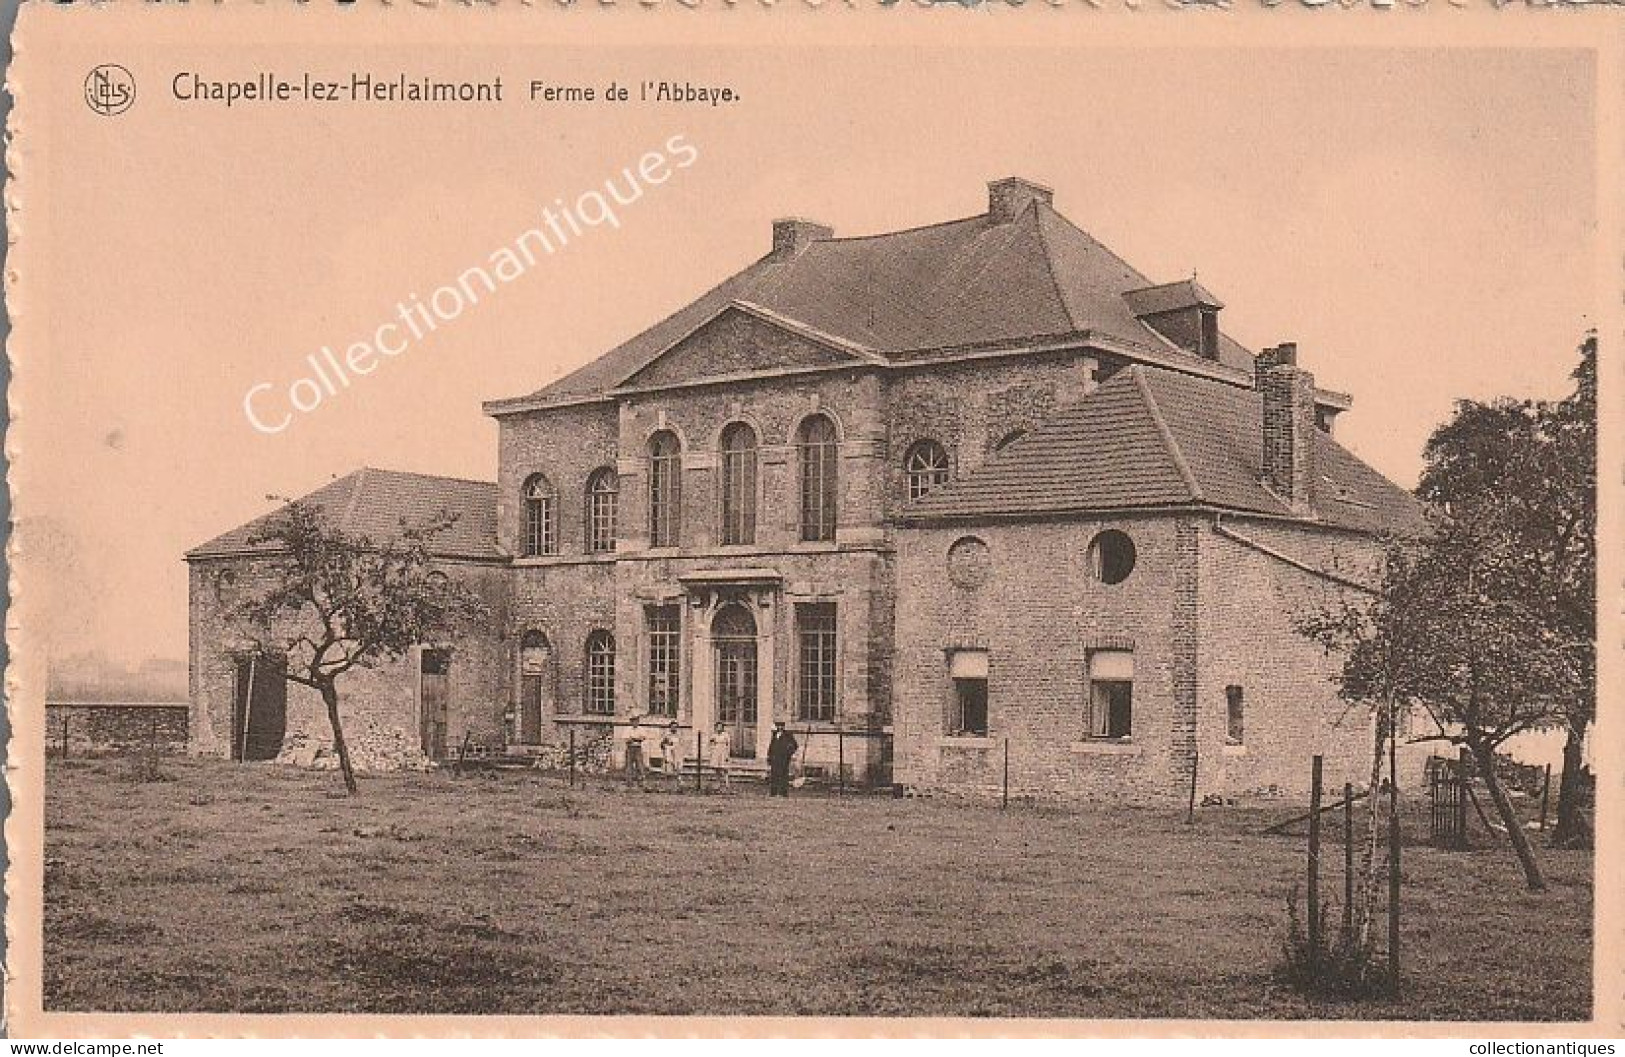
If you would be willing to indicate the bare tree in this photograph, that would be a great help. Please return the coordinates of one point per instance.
(339, 600)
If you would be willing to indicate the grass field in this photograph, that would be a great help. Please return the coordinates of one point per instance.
(260, 889)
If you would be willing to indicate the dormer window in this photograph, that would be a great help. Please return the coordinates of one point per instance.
(1183, 313)
(1208, 344)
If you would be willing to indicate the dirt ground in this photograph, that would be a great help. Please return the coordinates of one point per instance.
(257, 888)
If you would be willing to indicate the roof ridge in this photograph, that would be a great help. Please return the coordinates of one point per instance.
(360, 478)
(1049, 265)
(1180, 464)
(1107, 250)
(426, 476)
(964, 283)
(901, 231)
(754, 269)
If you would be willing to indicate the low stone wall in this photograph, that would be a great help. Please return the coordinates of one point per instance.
(88, 727)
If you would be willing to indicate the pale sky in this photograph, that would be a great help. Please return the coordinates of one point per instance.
(1421, 223)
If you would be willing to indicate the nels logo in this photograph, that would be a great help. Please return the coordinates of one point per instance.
(109, 89)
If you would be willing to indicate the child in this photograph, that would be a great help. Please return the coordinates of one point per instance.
(670, 752)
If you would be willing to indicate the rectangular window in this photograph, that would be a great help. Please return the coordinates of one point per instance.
(1111, 694)
(1235, 724)
(665, 659)
(601, 674)
(539, 537)
(665, 497)
(968, 670)
(602, 497)
(815, 636)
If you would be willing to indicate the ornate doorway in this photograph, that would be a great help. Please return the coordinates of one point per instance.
(733, 634)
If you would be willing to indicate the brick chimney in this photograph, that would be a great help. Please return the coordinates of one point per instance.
(791, 235)
(1008, 198)
(1288, 393)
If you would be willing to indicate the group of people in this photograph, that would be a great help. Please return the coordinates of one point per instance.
(781, 753)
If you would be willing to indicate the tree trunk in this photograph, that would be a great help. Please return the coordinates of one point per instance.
(1572, 830)
(1509, 818)
(330, 696)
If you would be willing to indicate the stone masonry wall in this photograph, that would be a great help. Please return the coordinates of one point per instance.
(1250, 609)
(1039, 614)
(379, 704)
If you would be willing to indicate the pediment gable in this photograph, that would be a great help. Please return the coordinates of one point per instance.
(740, 341)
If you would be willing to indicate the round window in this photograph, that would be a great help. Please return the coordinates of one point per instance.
(968, 563)
(1111, 556)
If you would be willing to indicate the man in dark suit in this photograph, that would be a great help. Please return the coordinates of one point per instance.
(781, 749)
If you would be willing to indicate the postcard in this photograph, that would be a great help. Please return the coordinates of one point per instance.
(813, 519)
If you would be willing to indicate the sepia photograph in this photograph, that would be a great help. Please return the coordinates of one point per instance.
(1035, 531)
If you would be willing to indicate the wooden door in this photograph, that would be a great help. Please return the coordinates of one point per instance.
(434, 700)
(530, 710)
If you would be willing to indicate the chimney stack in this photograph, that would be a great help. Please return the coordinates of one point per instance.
(791, 235)
(1288, 394)
(1008, 198)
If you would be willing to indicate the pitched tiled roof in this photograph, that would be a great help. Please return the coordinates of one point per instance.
(903, 294)
(374, 503)
(1151, 438)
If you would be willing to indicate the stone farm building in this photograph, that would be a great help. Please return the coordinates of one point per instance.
(922, 495)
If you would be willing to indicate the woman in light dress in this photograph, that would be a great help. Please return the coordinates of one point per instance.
(718, 753)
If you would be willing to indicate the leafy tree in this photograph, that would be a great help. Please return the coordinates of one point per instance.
(1458, 632)
(341, 600)
(1526, 472)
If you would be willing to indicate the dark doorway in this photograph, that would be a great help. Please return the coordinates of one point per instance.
(259, 712)
(434, 693)
(535, 654)
(734, 632)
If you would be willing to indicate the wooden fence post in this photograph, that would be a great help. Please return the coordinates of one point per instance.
(699, 760)
(1348, 860)
(1004, 799)
(572, 756)
(1393, 901)
(1314, 859)
(1464, 772)
(1545, 797)
(840, 761)
(1190, 808)
(65, 716)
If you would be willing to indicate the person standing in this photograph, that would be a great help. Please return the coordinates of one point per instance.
(634, 752)
(781, 750)
(671, 752)
(719, 751)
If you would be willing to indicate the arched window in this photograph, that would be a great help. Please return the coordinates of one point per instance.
(816, 443)
(540, 501)
(603, 491)
(601, 673)
(665, 489)
(738, 484)
(926, 465)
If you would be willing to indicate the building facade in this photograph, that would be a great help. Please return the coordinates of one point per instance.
(939, 499)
